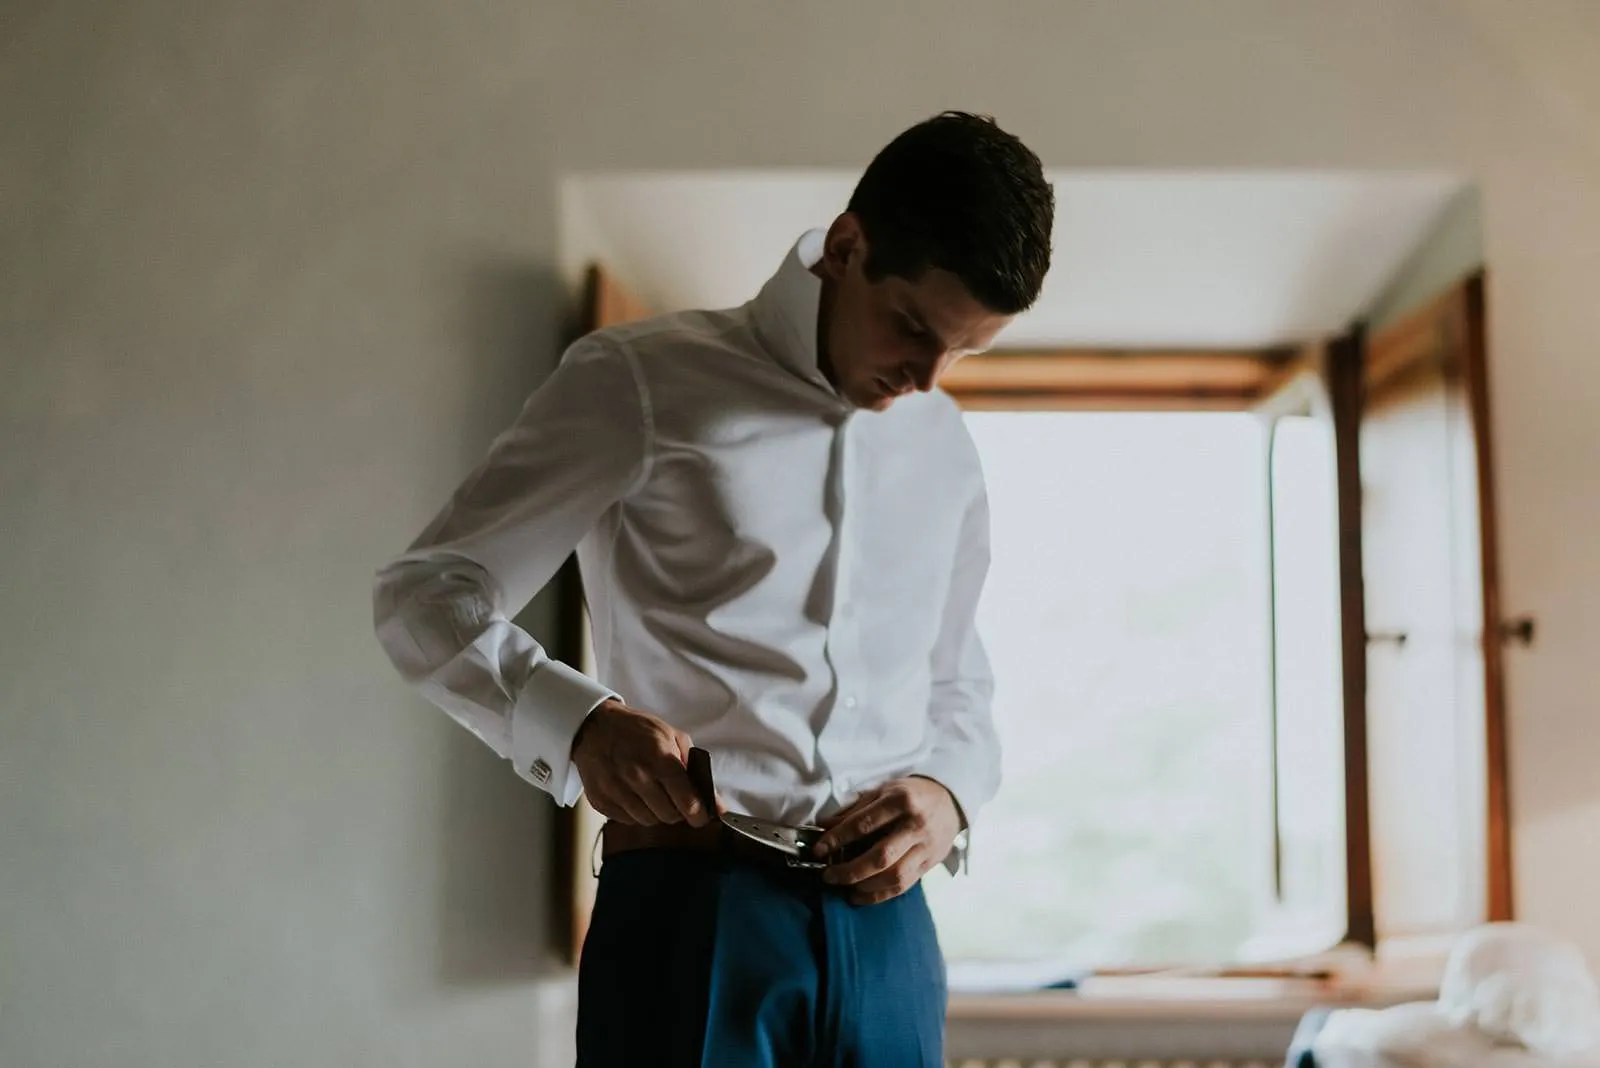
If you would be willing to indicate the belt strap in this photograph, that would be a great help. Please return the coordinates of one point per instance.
(626, 837)
(701, 779)
(761, 840)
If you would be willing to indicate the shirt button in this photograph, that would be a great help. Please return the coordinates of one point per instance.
(850, 700)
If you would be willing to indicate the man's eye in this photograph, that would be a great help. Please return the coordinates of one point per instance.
(910, 327)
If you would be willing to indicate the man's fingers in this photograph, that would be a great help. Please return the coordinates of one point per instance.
(893, 882)
(637, 812)
(615, 801)
(871, 818)
(600, 800)
(684, 743)
(654, 796)
(881, 858)
(681, 792)
(855, 806)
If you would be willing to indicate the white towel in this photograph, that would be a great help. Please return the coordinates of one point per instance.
(1511, 996)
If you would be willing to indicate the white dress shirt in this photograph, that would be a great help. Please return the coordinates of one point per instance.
(789, 579)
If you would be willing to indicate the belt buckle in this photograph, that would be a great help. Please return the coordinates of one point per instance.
(795, 843)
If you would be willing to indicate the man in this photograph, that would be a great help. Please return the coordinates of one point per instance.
(783, 533)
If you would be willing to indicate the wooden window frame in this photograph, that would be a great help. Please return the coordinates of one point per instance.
(1238, 380)
(1345, 358)
(1119, 380)
(1451, 329)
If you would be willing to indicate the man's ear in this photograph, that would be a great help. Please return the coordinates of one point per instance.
(845, 241)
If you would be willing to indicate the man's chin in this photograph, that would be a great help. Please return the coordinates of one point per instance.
(873, 398)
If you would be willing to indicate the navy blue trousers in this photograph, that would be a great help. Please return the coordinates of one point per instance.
(698, 961)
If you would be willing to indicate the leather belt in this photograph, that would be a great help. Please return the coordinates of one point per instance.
(747, 837)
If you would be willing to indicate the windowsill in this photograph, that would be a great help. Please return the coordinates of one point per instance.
(1198, 998)
(1404, 970)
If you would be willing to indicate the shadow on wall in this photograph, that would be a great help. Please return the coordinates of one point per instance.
(510, 321)
(494, 840)
(494, 829)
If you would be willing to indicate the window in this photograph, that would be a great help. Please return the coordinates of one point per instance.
(1162, 618)
(1308, 714)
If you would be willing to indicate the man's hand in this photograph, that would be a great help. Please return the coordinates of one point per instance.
(914, 820)
(633, 767)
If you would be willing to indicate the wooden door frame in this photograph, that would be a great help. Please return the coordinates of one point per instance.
(605, 302)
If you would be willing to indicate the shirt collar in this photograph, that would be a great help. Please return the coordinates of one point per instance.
(786, 310)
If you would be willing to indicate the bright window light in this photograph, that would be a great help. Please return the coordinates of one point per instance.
(1129, 618)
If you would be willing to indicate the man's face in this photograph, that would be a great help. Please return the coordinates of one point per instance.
(890, 337)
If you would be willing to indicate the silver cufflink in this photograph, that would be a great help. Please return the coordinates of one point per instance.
(540, 772)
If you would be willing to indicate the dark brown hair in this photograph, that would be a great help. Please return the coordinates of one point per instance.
(958, 193)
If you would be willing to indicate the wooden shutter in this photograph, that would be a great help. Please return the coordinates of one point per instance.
(1435, 701)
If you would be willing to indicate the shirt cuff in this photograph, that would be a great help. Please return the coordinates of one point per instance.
(947, 773)
(551, 707)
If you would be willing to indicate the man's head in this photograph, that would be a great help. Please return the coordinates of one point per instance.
(945, 240)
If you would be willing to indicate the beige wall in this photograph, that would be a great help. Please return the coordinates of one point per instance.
(1452, 250)
(274, 273)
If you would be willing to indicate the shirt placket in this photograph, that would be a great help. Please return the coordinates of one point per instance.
(844, 625)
